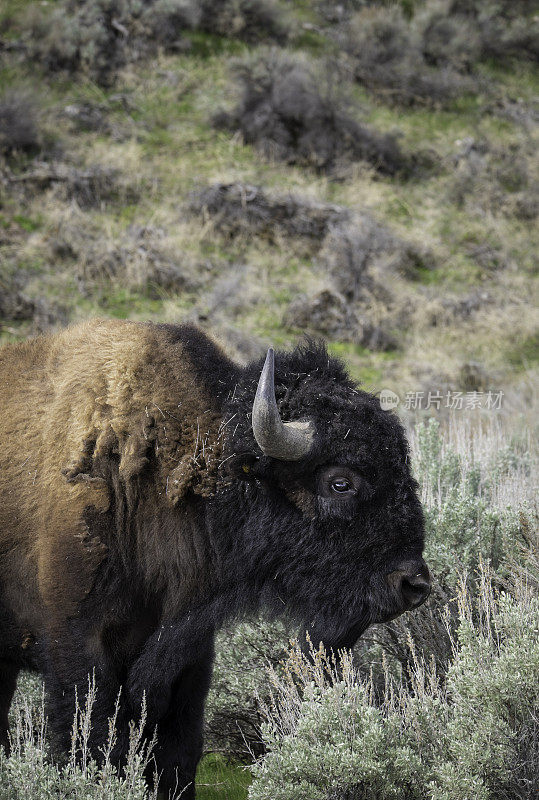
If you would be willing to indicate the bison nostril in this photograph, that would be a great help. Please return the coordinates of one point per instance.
(414, 589)
(411, 583)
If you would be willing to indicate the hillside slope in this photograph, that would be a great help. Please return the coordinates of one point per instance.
(273, 169)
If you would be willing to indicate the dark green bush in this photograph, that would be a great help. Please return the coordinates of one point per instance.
(99, 37)
(249, 20)
(387, 59)
(289, 113)
(506, 29)
(19, 129)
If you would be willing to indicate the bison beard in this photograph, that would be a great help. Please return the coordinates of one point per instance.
(146, 498)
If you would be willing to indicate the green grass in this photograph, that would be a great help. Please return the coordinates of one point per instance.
(11, 12)
(206, 45)
(427, 276)
(525, 354)
(217, 779)
(519, 79)
(123, 303)
(16, 332)
(363, 365)
(26, 223)
(31, 265)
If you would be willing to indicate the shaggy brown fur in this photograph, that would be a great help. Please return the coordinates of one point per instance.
(71, 402)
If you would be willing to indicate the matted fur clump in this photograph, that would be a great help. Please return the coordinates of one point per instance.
(289, 114)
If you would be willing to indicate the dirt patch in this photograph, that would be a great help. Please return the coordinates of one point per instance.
(143, 260)
(240, 209)
(89, 188)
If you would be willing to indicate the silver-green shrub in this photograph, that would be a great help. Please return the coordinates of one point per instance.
(97, 38)
(30, 773)
(470, 522)
(478, 507)
(330, 737)
(460, 480)
(234, 717)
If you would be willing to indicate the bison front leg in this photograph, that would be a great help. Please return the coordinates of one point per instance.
(180, 735)
(176, 691)
(84, 688)
(8, 683)
(82, 676)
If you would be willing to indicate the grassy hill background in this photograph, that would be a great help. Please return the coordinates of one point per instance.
(366, 172)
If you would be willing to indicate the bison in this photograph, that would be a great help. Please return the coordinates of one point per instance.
(152, 489)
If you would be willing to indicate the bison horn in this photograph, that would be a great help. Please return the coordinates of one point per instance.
(287, 441)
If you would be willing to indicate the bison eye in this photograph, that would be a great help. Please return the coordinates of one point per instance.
(341, 485)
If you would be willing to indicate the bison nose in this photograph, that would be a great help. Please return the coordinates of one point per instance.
(411, 582)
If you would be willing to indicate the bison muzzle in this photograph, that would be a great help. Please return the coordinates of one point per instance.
(152, 489)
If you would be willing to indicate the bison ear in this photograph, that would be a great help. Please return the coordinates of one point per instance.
(242, 466)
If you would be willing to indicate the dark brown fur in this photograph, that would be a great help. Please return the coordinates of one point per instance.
(73, 403)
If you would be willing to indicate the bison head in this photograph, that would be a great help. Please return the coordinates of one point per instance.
(322, 508)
